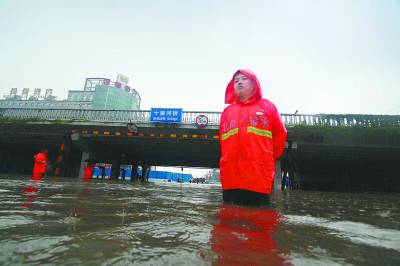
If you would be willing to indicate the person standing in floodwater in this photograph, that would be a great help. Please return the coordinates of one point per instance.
(40, 164)
(252, 137)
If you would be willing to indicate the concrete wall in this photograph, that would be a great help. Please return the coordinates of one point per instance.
(347, 159)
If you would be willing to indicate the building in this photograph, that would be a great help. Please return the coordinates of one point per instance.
(212, 176)
(98, 93)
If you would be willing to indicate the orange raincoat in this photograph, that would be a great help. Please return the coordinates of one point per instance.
(252, 137)
(40, 165)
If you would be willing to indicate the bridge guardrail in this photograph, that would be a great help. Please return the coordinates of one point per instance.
(189, 117)
(347, 120)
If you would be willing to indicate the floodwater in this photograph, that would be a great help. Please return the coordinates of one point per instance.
(100, 222)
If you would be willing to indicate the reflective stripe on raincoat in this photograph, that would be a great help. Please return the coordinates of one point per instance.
(252, 137)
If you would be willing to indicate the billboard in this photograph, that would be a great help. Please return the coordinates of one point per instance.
(13, 91)
(49, 93)
(25, 92)
(36, 93)
(124, 80)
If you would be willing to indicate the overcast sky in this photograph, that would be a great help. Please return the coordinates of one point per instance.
(312, 56)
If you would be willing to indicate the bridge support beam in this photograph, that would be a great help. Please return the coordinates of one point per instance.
(278, 176)
(134, 174)
(86, 157)
(116, 164)
(145, 173)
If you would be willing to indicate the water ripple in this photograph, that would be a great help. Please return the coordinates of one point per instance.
(353, 231)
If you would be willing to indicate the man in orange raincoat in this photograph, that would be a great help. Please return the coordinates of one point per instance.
(252, 137)
(39, 168)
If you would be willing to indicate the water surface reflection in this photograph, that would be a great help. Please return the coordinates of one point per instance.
(243, 234)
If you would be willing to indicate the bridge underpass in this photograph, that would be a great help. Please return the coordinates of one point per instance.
(328, 152)
(192, 152)
(346, 159)
(106, 143)
(151, 145)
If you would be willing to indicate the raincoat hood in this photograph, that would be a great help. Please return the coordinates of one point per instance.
(230, 95)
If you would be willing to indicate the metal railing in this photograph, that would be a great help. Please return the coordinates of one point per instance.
(189, 117)
(346, 120)
(122, 116)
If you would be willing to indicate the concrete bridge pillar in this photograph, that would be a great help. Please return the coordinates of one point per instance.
(146, 173)
(134, 174)
(278, 176)
(62, 160)
(86, 157)
(116, 164)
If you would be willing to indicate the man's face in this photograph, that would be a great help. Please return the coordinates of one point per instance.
(244, 87)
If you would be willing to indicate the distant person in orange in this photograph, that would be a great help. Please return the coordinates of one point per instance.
(39, 168)
(252, 137)
(88, 172)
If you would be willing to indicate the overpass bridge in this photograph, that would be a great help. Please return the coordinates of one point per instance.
(324, 151)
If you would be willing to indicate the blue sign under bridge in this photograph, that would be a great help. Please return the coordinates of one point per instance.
(166, 115)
